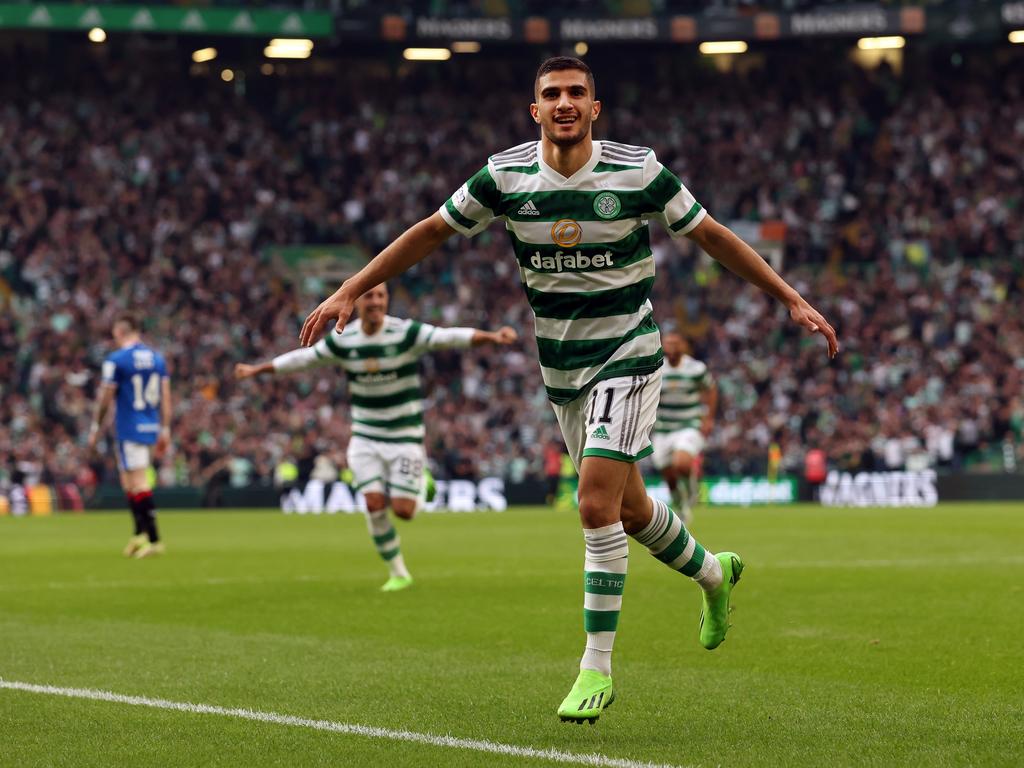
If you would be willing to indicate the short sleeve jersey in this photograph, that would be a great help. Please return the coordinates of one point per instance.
(383, 376)
(137, 372)
(584, 253)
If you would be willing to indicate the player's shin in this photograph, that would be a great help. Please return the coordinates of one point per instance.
(139, 526)
(387, 541)
(147, 515)
(668, 540)
(604, 578)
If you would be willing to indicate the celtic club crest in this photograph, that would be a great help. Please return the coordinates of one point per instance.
(607, 205)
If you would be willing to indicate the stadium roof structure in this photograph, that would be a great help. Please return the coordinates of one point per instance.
(526, 22)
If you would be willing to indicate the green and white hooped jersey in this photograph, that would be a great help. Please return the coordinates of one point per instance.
(584, 253)
(383, 373)
(681, 406)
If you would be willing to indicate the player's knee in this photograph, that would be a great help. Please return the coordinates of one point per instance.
(404, 508)
(682, 463)
(596, 510)
(375, 502)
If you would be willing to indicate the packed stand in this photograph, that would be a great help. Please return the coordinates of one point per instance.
(898, 196)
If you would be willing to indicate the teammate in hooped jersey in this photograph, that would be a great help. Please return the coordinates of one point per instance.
(560, 198)
(686, 413)
(135, 380)
(380, 354)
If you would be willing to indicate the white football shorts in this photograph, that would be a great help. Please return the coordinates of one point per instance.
(395, 469)
(667, 444)
(614, 419)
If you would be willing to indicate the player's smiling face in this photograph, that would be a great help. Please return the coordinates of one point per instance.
(373, 305)
(565, 107)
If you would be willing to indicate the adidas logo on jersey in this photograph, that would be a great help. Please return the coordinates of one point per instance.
(601, 433)
(529, 209)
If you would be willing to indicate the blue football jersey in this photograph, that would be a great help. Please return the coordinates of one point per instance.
(138, 373)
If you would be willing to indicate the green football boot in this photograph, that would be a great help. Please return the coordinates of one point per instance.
(428, 484)
(714, 616)
(397, 583)
(135, 543)
(590, 695)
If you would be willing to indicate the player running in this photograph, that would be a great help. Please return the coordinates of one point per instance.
(577, 212)
(136, 375)
(380, 354)
(686, 414)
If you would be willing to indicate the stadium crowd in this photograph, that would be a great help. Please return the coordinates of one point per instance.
(900, 198)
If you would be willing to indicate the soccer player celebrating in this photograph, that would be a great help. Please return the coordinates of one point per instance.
(136, 375)
(380, 354)
(577, 212)
(686, 413)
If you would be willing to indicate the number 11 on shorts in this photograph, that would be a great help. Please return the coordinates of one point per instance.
(609, 395)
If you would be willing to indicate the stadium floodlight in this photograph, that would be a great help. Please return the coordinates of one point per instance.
(204, 54)
(288, 48)
(720, 47)
(881, 43)
(227, 75)
(1017, 36)
(581, 48)
(426, 54)
(466, 46)
(97, 35)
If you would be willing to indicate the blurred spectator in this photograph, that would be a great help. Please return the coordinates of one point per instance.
(900, 197)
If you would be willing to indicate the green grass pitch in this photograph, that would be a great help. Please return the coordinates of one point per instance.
(861, 637)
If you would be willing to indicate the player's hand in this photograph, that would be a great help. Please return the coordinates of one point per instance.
(705, 427)
(163, 442)
(338, 308)
(505, 335)
(811, 319)
(244, 370)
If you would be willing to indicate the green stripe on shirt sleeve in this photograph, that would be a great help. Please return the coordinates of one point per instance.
(694, 210)
(463, 221)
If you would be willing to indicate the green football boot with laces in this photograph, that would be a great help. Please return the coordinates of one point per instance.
(714, 616)
(590, 695)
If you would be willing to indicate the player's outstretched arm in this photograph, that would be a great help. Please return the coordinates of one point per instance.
(502, 337)
(722, 244)
(460, 338)
(301, 359)
(248, 370)
(411, 247)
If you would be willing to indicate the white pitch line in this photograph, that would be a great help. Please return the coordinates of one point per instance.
(351, 729)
